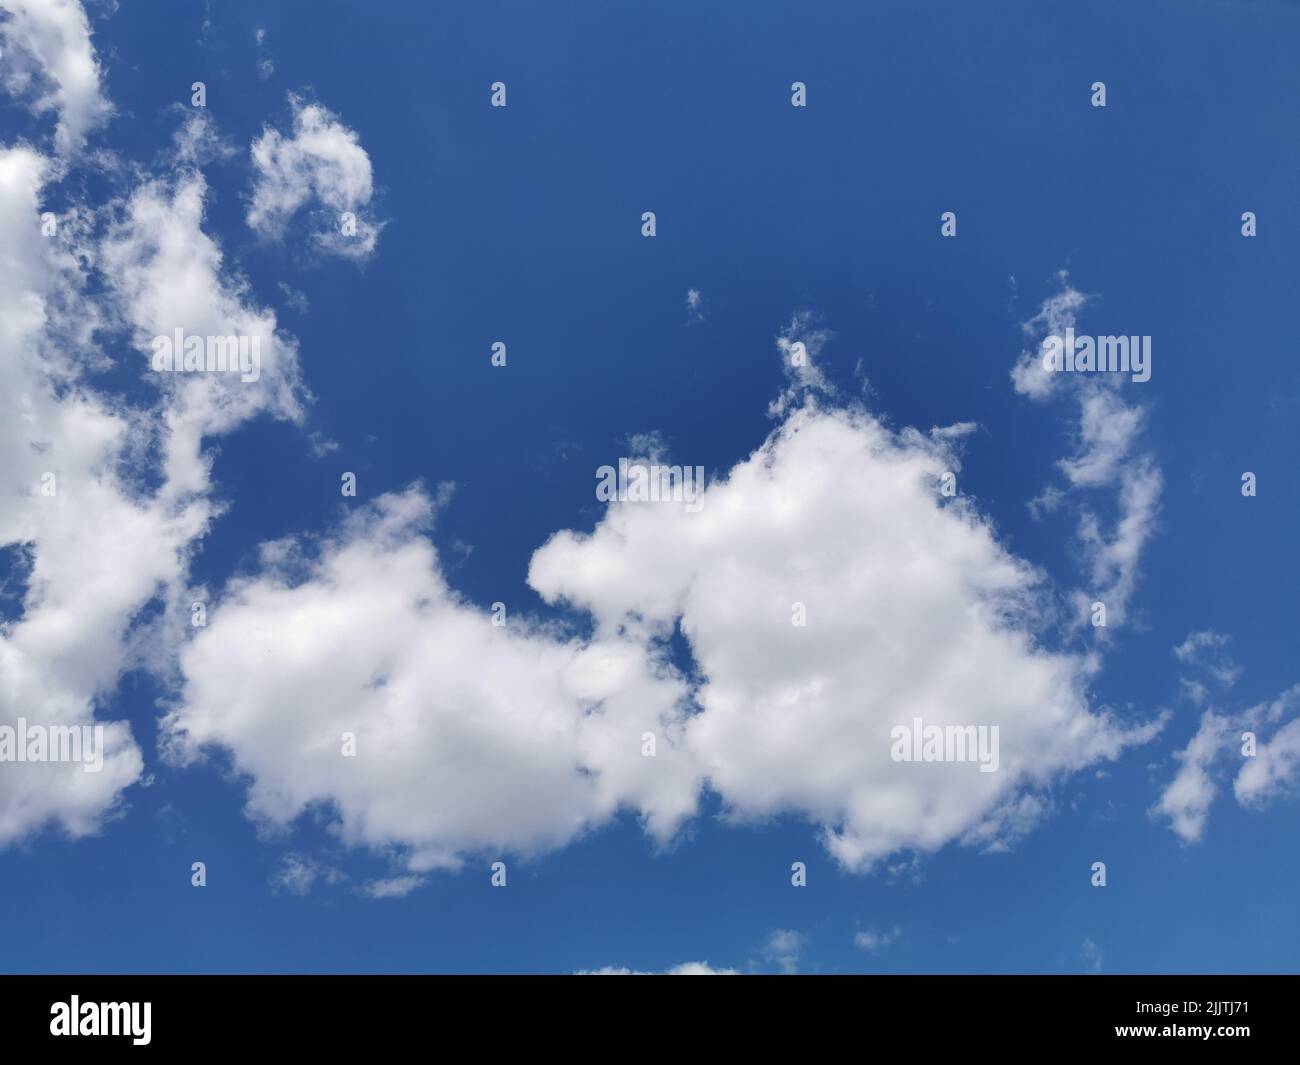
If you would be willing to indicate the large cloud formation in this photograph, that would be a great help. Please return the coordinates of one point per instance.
(826, 589)
(94, 531)
(90, 550)
(475, 738)
(913, 610)
(469, 735)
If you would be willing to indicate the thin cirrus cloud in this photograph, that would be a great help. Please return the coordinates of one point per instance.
(1107, 436)
(1220, 746)
(1271, 773)
(785, 949)
(873, 941)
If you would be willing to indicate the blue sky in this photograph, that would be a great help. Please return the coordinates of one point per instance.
(817, 225)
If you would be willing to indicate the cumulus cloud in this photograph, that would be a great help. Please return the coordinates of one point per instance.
(321, 167)
(98, 526)
(912, 608)
(49, 56)
(468, 735)
(473, 737)
(166, 273)
(102, 498)
(478, 738)
(94, 550)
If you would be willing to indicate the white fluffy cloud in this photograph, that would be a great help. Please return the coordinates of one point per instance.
(94, 550)
(913, 610)
(477, 738)
(473, 737)
(469, 736)
(165, 273)
(95, 531)
(48, 54)
(323, 166)
(102, 499)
